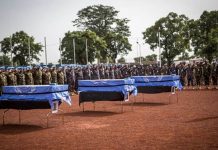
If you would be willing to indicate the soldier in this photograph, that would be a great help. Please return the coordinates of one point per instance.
(101, 72)
(172, 69)
(206, 74)
(117, 72)
(183, 74)
(53, 75)
(37, 76)
(190, 75)
(20, 76)
(11, 78)
(60, 76)
(198, 74)
(86, 73)
(95, 73)
(3, 79)
(111, 72)
(78, 76)
(107, 74)
(214, 74)
(28, 76)
(46, 76)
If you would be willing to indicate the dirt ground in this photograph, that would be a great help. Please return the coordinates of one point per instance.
(192, 123)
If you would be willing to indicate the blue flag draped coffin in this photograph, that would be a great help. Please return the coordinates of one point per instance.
(31, 96)
(106, 90)
(157, 84)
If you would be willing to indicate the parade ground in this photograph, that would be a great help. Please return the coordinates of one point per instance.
(152, 123)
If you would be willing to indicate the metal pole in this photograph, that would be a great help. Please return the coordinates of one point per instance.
(11, 51)
(45, 51)
(60, 50)
(74, 50)
(29, 50)
(159, 46)
(86, 52)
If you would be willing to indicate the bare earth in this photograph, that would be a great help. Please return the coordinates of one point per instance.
(152, 124)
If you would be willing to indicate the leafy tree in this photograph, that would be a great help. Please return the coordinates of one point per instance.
(104, 21)
(20, 48)
(174, 37)
(94, 45)
(137, 59)
(204, 35)
(152, 57)
(121, 60)
(5, 60)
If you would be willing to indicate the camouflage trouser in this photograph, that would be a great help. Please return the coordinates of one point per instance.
(190, 81)
(214, 80)
(198, 80)
(206, 80)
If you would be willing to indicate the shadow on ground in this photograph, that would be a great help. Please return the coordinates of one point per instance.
(91, 113)
(202, 119)
(12, 129)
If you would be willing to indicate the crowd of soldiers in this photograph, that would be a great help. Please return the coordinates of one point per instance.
(195, 75)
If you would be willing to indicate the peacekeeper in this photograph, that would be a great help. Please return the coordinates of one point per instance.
(95, 73)
(189, 73)
(20, 76)
(214, 74)
(101, 72)
(107, 73)
(11, 78)
(3, 79)
(86, 73)
(60, 76)
(46, 76)
(53, 75)
(111, 73)
(28, 76)
(206, 74)
(198, 74)
(37, 76)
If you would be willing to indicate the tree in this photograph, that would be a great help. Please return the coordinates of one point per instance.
(152, 57)
(174, 37)
(5, 60)
(204, 35)
(104, 21)
(137, 59)
(94, 45)
(121, 60)
(18, 45)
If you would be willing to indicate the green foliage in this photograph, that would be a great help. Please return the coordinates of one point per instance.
(19, 43)
(152, 57)
(204, 35)
(94, 44)
(121, 60)
(5, 60)
(104, 21)
(174, 37)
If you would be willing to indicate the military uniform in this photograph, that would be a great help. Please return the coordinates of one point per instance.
(11, 79)
(190, 75)
(37, 77)
(206, 74)
(20, 78)
(198, 74)
(60, 77)
(46, 77)
(53, 75)
(214, 74)
(29, 77)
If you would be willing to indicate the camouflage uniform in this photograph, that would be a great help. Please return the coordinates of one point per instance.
(95, 74)
(101, 72)
(46, 77)
(37, 77)
(198, 74)
(86, 73)
(206, 73)
(190, 75)
(214, 74)
(3, 80)
(60, 76)
(29, 77)
(20, 78)
(11, 79)
(53, 75)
